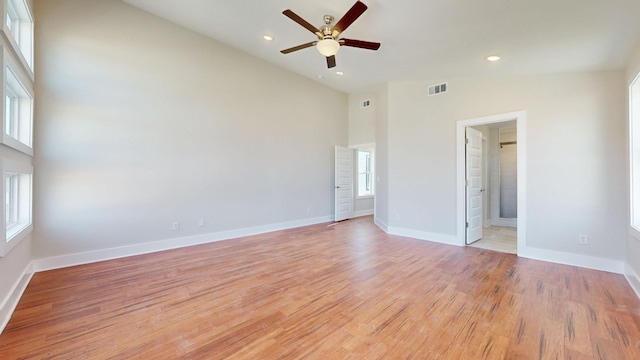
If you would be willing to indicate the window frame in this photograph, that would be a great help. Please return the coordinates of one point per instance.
(20, 89)
(16, 69)
(634, 157)
(12, 186)
(20, 35)
(369, 172)
(15, 232)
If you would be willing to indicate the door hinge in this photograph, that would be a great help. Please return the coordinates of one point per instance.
(467, 224)
(466, 141)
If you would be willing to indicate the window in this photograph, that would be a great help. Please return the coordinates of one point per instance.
(16, 72)
(19, 29)
(11, 200)
(634, 156)
(12, 19)
(365, 173)
(17, 200)
(18, 110)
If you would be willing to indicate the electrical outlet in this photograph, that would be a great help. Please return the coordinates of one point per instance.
(175, 226)
(201, 222)
(397, 216)
(308, 210)
(583, 239)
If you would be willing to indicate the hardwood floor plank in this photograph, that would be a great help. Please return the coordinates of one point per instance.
(577, 337)
(339, 291)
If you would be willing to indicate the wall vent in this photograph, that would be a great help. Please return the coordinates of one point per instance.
(365, 104)
(437, 89)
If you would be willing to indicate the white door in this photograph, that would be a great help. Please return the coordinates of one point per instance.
(344, 184)
(474, 185)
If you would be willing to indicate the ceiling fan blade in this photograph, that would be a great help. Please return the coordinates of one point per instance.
(331, 61)
(293, 16)
(360, 44)
(299, 47)
(356, 10)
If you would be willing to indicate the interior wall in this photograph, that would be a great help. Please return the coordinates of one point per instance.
(508, 174)
(362, 121)
(382, 159)
(585, 112)
(141, 123)
(362, 131)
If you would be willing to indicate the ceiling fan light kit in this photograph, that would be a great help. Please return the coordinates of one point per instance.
(329, 43)
(328, 47)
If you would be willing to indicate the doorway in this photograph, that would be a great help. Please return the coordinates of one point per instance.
(497, 222)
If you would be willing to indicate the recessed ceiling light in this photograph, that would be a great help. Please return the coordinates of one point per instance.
(339, 73)
(268, 37)
(493, 58)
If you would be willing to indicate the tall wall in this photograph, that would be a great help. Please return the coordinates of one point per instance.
(362, 131)
(141, 123)
(575, 131)
(382, 159)
(362, 121)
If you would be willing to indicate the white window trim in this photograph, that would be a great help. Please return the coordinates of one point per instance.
(634, 117)
(24, 227)
(22, 47)
(26, 107)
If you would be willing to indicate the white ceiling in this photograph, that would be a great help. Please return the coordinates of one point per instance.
(423, 39)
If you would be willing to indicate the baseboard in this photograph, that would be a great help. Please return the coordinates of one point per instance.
(423, 235)
(9, 304)
(363, 213)
(504, 222)
(381, 224)
(585, 261)
(63, 261)
(632, 278)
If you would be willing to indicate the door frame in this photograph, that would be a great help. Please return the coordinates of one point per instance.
(461, 125)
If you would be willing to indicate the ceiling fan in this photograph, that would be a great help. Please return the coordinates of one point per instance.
(328, 42)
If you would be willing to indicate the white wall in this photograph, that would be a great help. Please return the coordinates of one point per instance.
(362, 121)
(508, 174)
(362, 131)
(575, 156)
(141, 123)
(382, 159)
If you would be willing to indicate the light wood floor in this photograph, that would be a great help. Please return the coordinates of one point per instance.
(498, 238)
(346, 291)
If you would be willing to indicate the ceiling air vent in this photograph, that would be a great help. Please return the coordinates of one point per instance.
(365, 104)
(437, 89)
